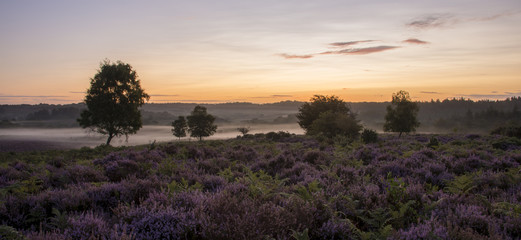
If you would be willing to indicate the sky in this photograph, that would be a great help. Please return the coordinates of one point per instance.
(263, 51)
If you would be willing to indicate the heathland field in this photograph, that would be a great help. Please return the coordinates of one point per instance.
(268, 186)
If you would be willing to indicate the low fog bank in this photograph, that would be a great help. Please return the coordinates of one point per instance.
(447, 116)
(24, 139)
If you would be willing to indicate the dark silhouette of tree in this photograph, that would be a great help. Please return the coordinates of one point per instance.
(179, 127)
(200, 123)
(328, 116)
(244, 130)
(401, 114)
(113, 101)
(310, 111)
(330, 124)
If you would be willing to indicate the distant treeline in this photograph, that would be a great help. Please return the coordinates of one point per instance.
(449, 115)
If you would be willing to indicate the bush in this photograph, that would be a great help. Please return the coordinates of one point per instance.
(277, 136)
(509, 131)
(9, 233)
(369, 136)
(507, 143)
(433, 143)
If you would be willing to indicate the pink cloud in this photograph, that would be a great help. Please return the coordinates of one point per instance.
(415, 41)
(292, 56)
(346, 44)
(361, 51)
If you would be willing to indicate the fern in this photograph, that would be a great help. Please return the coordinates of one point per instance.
(508, 209)
(396, 190)
(262, 184)
(184, 185)
(8, 232)
(306, 193)
(463, 184)
(60, 220)
(227, 174)
(300, 235)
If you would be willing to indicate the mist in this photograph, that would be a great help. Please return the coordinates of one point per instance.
(67, 138)
(40, 127)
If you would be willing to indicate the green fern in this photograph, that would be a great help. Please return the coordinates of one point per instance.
(300, 235)
(306, 193)
(506, 208)
(8, 232)
(262, 184)
(183, 185)
(227, 174)
(60, 220)
(463, 184)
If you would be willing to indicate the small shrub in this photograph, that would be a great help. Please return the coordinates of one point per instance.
(509, 131)
(9, 233)
(369, 136)
(433, 143)
(277, 136)
(507, 143)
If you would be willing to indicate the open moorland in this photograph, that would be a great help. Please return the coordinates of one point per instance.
(268, 186)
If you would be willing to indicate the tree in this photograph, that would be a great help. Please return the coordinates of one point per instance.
(179, 127)
(113, 101)
(200, 123)
(329, 116)
(243, 130)
(310, 111)
(401, 114)
(331, 124)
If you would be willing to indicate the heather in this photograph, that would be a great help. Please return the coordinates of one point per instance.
(268, 186)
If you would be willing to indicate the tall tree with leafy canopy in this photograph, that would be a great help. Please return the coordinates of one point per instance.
(179, 127)
(401, 114)
(113, 101)
(328, 116)
(200, 123)
(310, 111)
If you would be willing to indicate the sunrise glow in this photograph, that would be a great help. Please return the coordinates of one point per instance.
(263, 51)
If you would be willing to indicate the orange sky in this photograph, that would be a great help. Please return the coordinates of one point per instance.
(268, 51)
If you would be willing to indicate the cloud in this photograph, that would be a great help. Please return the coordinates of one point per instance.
(275, 96)
(492, 96)
(191, 101)
(31, 96)
(496, 16)
(446, 20)
(432, 21)
(425, 92)
(346, 44)
(292, 56)
(78, 92)
(361, 51)
(164, 95)
(415, 41)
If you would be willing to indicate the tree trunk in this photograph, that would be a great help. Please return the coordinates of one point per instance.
(400, 135)
(200, 139)
(109, 138)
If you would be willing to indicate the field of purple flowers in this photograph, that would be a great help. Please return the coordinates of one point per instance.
(272, 186)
